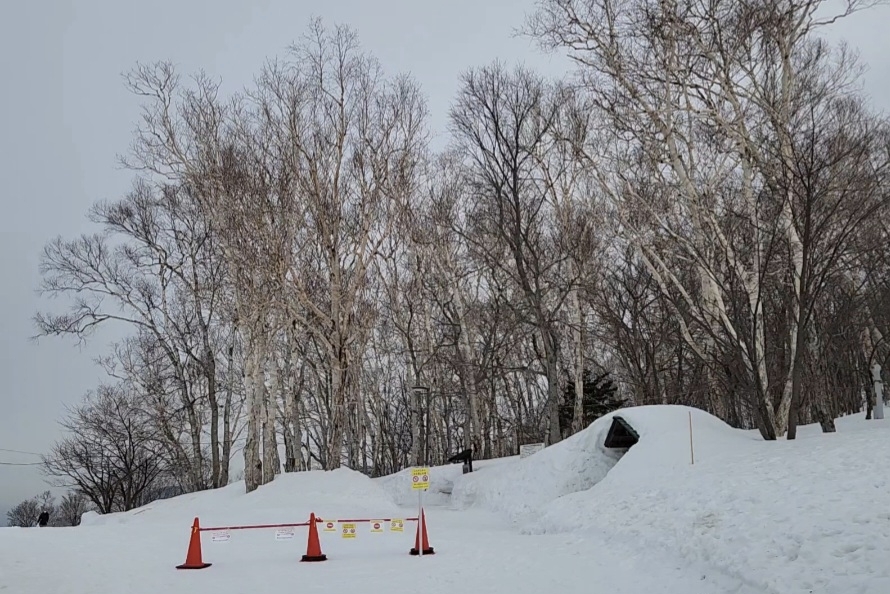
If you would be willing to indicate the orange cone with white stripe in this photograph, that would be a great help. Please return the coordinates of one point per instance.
(422, 539)
(193, 558)
(313, 547)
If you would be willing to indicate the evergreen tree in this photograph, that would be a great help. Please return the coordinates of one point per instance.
(599, 398)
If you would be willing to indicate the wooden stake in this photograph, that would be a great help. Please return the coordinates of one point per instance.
(691, 449)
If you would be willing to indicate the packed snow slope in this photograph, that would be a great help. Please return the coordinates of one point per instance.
(290, 498)
(785, 517)
(475, 552)
(809, 516)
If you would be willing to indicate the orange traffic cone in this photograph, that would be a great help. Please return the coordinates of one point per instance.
(193, 557)
(422, 539)
(313, 547)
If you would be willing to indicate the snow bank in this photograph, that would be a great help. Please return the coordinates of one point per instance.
(794, 517)
(290, 497)
(522, 486)
(784, 517)
(442, 481)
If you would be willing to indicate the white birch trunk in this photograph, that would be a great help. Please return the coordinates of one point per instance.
(578, 417)
(253, 466)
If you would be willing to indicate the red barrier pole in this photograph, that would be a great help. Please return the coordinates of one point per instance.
(300, 524)
(372, 520)
(256, 526)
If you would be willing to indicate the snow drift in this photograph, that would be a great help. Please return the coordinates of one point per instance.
(290, 497)
(786, 517)
(442, 482)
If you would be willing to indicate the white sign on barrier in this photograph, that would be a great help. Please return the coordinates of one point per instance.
(220, 536)
(284, 534)
(528, 449)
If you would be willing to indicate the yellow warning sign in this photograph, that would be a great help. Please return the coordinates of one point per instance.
(330, 527)
(376, 526)
(397, 525)
(348, 530)
(420, 479)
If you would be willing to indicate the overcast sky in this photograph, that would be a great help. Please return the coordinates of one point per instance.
(65, 115)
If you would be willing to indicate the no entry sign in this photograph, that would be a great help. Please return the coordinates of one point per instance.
(420, 479)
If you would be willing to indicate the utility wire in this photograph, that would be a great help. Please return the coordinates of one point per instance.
(20, 452)
(20, 463)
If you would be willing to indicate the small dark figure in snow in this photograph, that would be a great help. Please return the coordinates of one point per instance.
(466, 457)
(43, 519)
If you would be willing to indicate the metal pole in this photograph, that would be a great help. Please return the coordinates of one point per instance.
(426, 431)
(416, 425)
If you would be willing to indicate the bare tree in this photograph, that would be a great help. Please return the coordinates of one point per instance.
(24, 515)
(837, 185)
(157, 268)
(70, 509)
(506, 124)
(110, 455)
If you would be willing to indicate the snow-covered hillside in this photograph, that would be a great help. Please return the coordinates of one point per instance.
(749, 517)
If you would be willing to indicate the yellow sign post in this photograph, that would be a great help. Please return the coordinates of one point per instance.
(420, 479)
(420, 482)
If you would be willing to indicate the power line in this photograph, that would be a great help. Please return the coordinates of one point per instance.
(20, 463)
(20, 452)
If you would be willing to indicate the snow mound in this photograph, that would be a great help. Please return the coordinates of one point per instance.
(784, 517)
(522, 486)
(442, 481)
(290, 497)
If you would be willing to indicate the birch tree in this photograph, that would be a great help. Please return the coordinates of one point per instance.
(701, 88)
(352, 141)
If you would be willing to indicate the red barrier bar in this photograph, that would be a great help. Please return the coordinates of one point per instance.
(202, 529)
(370, 520)
(258, 526)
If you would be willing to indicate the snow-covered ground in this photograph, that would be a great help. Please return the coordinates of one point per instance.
(748, 517)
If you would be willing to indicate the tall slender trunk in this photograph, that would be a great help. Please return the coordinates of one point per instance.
(253, 466)
(197, 459)
(290, 393)
(333, 460)
(212, 399)
(271, 460)
(791, 390)
(554, 398)
(227, 420)
(470, 388)
(578, 416)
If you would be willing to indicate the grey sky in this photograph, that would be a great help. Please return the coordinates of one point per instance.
(64, 116)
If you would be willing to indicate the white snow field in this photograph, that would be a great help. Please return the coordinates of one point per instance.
(749, 517)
